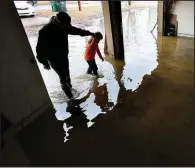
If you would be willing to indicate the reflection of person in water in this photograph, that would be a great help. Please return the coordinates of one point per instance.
(101, 95)
(100, 101)
(78, 119)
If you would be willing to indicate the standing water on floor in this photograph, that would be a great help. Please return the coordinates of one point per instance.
(100, 96)
(140, 113)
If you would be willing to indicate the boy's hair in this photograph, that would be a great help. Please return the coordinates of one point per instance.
(98, 35)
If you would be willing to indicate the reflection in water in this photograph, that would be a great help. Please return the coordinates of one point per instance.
(153, 125)
(140, 47)
(66, 129)
(60, 114)
(140, 59)
(91, 109)
(110, 81)
(99, 96)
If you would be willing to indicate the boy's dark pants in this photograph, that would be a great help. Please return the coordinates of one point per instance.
(92, 67)
(62, 69)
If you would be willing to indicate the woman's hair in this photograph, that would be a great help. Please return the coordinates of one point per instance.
(98, 35)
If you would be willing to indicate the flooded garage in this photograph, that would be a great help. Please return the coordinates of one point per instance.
(139, 113)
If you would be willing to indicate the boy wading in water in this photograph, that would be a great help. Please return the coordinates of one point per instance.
(91, 49)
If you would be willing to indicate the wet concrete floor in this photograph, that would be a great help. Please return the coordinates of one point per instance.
(140, 113)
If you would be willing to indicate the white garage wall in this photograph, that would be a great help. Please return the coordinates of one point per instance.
(185, 17)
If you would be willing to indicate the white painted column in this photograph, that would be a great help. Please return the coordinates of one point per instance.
(108, 28)
(160, 18)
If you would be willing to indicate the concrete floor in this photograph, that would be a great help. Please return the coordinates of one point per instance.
(140, 113)
(152, 126)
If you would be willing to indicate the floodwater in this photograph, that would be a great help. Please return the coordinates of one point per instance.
(140, 113)
(141, 59)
